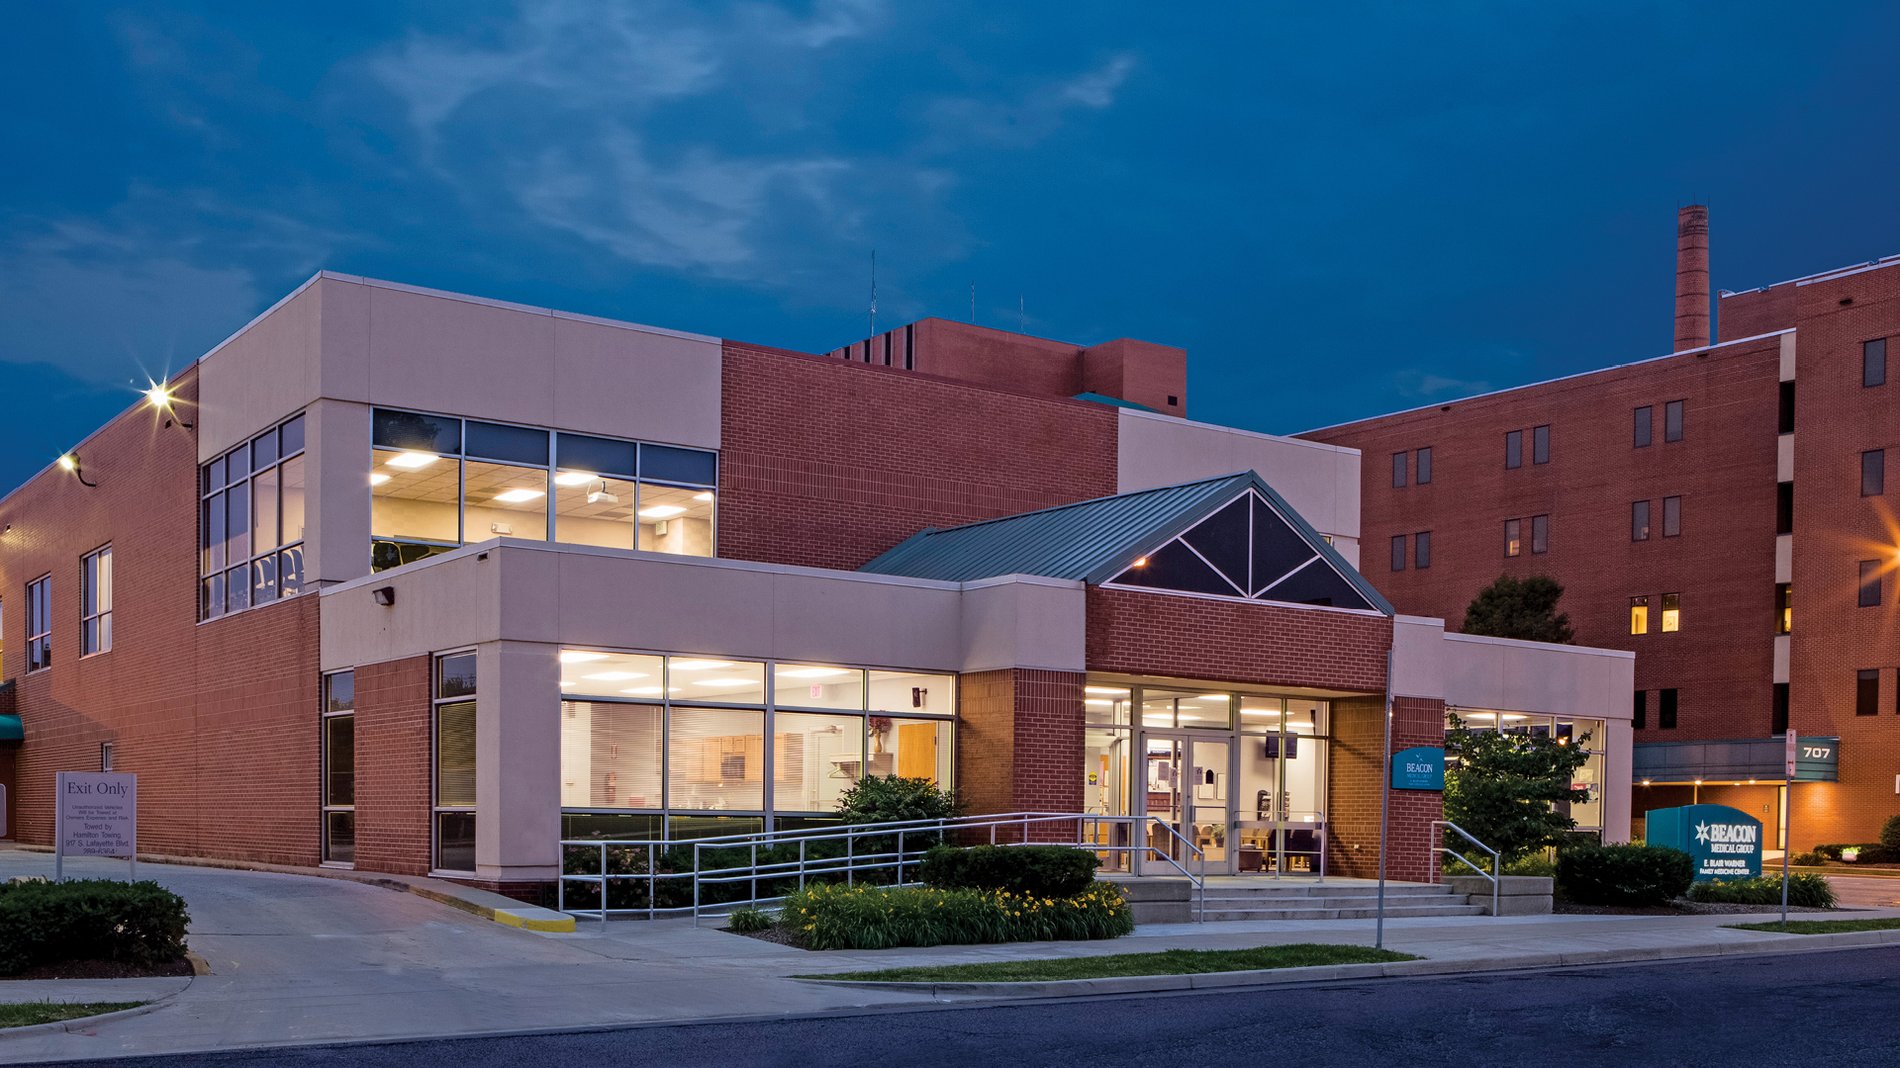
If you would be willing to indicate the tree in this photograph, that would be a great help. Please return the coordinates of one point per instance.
(1504, 788)
(1519, 608)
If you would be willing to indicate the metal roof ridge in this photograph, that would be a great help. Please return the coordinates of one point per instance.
(1075, 504)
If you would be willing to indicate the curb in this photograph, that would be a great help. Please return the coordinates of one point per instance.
(1146, 984)
(81, 1023)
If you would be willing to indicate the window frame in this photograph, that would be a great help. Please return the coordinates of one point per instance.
(1873, 472)
(1668, 707)
(436, 809)
(39, 624)
(1669, 619)
(1784, 420)
(1639, 710)
(1869, 585)
(1672, 516)
(218, 575)
(95, 629)
(1540, 534)
(1639, 615)
(1873, 362)
(1423, 463)
(326, 713)
(1639, 521)
(1784, 508)
(1422, 550)
(1400, 465)
(1643, 426)
(1867, 692)
(1398, 553)
(1778, 710)
(1784, 608)
(1513, 449)
(1675, 420)
(1513, 538)
(1540, 444)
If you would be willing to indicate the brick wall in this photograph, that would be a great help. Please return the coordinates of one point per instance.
(392, 766)
(1231, 641)
(219, 721)
(1358, 746)
(1758, 311)
(1836, 419)
(1019, 741)
(1721, 661)
(828, 464)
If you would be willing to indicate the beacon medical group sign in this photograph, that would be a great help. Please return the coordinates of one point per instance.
(97, 815)
(1724, 842)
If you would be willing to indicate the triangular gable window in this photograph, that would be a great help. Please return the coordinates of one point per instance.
(1245, 550)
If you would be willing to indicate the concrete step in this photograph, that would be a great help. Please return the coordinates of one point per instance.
(1299, 893)
(1392, 911)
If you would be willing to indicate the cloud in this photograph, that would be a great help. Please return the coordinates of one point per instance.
(958, 121)
(1420, 384)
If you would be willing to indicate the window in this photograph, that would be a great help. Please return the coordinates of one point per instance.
(439, 482)
(1513, 542)
(1247, 549)
(1784, 609)
(1639, 710)
(455, 706)
(1873, 472)
(1786, 423)
(1399, 461)
(1639, 521)
(39, 623)
(1540, 534)
(1869, 583)
(1398, 552)
(105, 756)
(1867, 692)
(1672, 517)
(1784, 508)
(1672, 421)
(95, 602)
(1778, 715)
(250, 522)
(1540, 445)
(1671, 612)
(1425, 466)
(1666, 709)
(1422, 550)
(1873, 362)
(1642, 426)
(338, 736)
(1514, 449)
(1639, 615)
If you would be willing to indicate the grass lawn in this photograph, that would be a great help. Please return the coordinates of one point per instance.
(39, 1012)
(1820, 926)
(1169, 962)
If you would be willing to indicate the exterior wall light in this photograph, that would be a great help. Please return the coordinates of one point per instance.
(70, 462)
(162, 400)
(385, 595)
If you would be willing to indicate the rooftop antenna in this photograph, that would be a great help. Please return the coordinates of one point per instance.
(873, 332)
(1022, 315)
(972, 303)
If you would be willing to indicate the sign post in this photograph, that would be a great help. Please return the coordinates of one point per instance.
(96, 815)
(1787, 817)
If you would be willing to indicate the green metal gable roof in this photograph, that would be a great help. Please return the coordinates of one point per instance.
(1092, 541)
(1113, 402)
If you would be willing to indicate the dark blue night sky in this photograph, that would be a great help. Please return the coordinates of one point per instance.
(1338, 210)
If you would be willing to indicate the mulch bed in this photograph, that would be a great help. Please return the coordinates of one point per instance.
(1679, 907)
(101, 969)
(778, 936)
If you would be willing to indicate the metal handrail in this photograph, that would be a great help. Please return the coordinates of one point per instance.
(1497, 861)
(1087, 828)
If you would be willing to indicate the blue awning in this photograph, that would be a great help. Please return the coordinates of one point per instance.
(11, 730)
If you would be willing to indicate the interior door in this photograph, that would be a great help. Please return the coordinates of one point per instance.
(1209, 794)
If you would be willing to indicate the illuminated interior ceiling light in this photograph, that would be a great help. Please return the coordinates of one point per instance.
(1212, 697)
(615, 676)
(580, 656)
(519, 496)
(1645, 782)
(1098, 701)
(574, 478)
(648, 691)
(707, 496)
(566, 683)
(811, 673)
(412, 461)
(700, 665)
(1112, 691)
(662, 511)
(723, 682)
(377, 478)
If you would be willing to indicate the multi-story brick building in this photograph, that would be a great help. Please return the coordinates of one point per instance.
(1684, 502)
(422, 583)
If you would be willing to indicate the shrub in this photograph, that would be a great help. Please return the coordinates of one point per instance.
(863, 917)
(1890, 835)
(1813, 858)
(138, 923)
(1535, 865)
(889, 798)
(1624, 874)
(1039, 871)
(748, 920)
(1870, 852)
(1805, 890)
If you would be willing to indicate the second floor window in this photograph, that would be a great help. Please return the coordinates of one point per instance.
(1639, 521)
(1425, 466)
(1671, 613)
(1399, 462)
(1873, 472)
(1540, 534)
(1513, 537)
(1514, 449)
(1873, 362)
(250, 522)
(1422, 549)
(39, 623)
(1398, 552)
(1540, 445)
(1642, 426)
(1867, 692)
(1672, 516)
(1639, 615)
(1672, 421)
(1869, 583)
(95, 602)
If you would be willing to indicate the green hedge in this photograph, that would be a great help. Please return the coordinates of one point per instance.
(1039, 871)
(1624, 874)
(1805, 890)
(89, 919)
(1870, 852)
(864, 917)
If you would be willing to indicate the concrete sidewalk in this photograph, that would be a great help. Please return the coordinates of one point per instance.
(298, 960)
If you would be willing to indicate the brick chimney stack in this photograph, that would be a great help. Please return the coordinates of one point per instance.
(1692, 277)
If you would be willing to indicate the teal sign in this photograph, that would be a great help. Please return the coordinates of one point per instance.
(1419, 768)
(1724, 842)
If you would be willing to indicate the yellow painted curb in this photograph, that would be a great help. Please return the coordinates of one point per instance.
(553, 923)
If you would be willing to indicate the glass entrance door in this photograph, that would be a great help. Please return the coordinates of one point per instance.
(1189, 786)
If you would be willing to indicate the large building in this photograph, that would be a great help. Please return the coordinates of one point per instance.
(1688, 503)
(424, 583)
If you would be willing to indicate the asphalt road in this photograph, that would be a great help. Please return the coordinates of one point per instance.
(1834, 1009)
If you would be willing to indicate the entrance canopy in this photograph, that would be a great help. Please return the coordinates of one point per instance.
(1734, 760)
(1227, 537)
